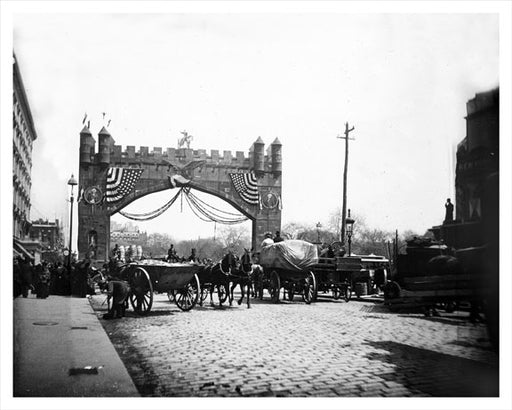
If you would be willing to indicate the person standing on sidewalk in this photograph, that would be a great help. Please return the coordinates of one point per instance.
(26, 277)
(43, 282)
(16, 279)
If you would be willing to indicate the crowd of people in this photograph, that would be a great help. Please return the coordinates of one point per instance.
(45, 278)
(173, 257)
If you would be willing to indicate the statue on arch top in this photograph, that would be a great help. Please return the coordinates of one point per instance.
(185, 139)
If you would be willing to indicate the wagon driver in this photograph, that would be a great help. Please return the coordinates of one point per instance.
(268, 240)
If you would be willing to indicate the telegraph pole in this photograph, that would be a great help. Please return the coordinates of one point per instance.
(344, 211)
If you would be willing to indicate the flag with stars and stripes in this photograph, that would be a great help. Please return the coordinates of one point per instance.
(120, 182)
(246, 184)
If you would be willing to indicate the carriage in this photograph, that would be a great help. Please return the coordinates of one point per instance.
(179, 280)
(342, 275)
(288, 265)
(430, 273)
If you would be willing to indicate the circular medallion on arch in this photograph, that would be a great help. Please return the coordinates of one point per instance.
(270, 200)
(93, 195)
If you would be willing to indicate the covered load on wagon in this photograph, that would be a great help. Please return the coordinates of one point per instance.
(292, 255)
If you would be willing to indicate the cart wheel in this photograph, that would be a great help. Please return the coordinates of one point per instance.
(187, 297)
(290, 293)
(222, 293)
(274, 287)
(171, 295)
(336, 293)
(392, 290)
(309, 292)
(141, 295)
(347, 293)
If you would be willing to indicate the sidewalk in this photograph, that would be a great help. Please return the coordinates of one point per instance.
(62, 350)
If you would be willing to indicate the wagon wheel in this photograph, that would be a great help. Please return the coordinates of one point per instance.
(309, 288)
(222, 293)
(336, 293)
(141, 295)
(187, 297)
(274, 286)
(392, 290)
(171, 295)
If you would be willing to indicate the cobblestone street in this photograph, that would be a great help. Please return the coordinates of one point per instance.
(326, 349)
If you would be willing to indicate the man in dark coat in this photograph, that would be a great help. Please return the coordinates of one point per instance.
(118, 291)
(16, 282)
(26, 277)
(448, 217)
(278, 237)
(193, 256)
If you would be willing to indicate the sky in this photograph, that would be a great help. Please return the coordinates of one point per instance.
(401, 80)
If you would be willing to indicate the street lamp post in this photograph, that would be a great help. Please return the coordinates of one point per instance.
(349, 224)
(72, 182)
(318, 226)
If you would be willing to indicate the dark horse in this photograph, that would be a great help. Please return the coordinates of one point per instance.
(219, 276)
(245, 277)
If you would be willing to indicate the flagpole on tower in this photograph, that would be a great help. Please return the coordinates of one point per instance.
(344, 209)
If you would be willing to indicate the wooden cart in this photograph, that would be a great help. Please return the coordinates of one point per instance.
(177, 279)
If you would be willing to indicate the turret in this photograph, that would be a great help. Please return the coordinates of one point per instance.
(258, 155)
(275, 157)
(87, 144)
(105, 146)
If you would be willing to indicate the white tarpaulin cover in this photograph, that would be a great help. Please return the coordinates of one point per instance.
(291, 255)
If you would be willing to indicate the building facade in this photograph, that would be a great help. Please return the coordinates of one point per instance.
(24, 135)
(48, 233)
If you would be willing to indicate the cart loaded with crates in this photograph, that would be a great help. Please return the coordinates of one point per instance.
(179, 280)
(430, 273)
(342, 275)
(289, 265)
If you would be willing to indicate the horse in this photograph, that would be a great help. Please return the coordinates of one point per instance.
(243, 277)
(220, 276)
(249, 275)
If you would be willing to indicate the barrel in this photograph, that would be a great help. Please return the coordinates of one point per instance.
(361, 289)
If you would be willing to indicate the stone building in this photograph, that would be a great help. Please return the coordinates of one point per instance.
(24, 135)
(48, 233)
(477, 162)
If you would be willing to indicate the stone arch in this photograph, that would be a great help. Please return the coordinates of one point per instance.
(170, 168)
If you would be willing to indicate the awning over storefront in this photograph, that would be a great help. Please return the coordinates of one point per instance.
(20, 250)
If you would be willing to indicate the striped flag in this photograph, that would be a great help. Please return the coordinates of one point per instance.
(120, 182)
(246, 184)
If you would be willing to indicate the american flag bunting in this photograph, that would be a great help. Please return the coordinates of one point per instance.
(246, 185)
(120, 182)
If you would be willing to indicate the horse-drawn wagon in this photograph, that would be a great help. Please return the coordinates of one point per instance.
(431, 274)
(342, 275)
(148, 276)
(288, 265)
